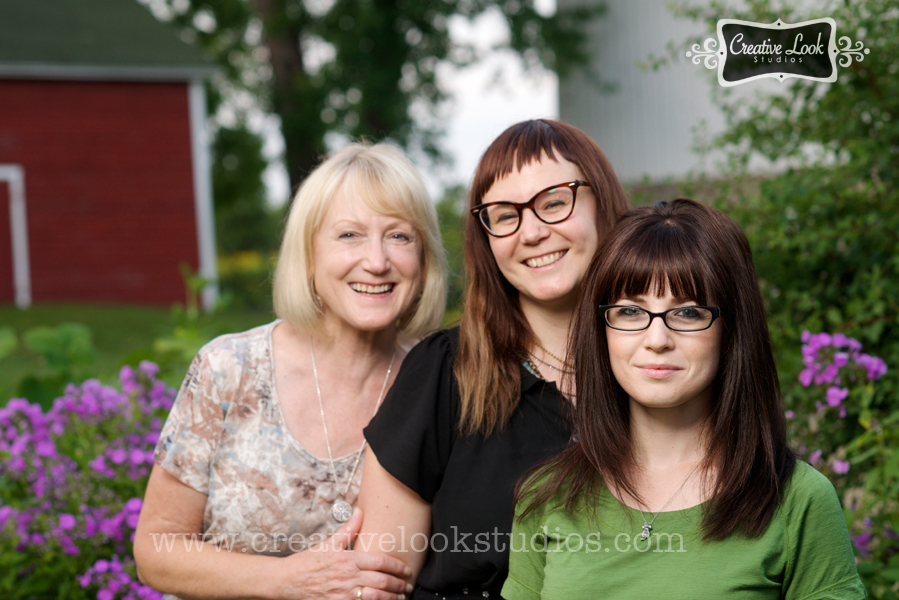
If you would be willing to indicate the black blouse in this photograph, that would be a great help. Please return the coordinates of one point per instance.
(468, 480)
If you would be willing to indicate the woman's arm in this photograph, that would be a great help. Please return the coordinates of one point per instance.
(397, 520)
(204, 571)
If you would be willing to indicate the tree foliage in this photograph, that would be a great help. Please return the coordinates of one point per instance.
(825, 237)
(360, 68)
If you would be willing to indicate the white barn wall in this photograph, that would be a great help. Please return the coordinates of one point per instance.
(645, 126)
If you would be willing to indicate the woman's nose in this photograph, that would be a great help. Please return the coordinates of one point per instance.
(532, 229)
(657, 336)
(376, 258)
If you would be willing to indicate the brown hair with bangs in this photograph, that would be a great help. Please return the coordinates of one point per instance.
(703, 256)
(494, 332)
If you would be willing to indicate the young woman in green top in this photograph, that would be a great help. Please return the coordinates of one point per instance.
(681, 483)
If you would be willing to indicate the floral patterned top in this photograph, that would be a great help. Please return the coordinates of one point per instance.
(226, 437)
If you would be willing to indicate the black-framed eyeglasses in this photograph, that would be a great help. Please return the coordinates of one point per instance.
(552, 205)
(679, 318)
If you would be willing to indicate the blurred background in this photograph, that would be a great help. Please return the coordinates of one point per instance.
(149, 150)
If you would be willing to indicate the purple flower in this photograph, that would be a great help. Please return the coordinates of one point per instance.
(835, 395)
(45, 448)
(66, 521)
(136, 457)
(840, 467)
(134, 505)
(105, 594)
(827, 375)
(861, 542)
(840, 340)
(806, 376)
(5, 513)
(98, 464)
(126, 373)
(790, 414)
(118, 455)
(840, 359)
(875, 366)
(101, 566)
(815, 457)
(149, 369)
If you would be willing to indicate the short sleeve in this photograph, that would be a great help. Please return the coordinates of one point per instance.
(527, 561)
(412, 434)
(821, 563)
(192, 431)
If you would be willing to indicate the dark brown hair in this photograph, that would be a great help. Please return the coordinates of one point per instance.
(494, 332)
(703, 256)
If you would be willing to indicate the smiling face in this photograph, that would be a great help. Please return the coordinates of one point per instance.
(663, 369)
(545, 263)
(367, 266)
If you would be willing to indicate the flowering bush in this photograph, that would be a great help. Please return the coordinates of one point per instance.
(847, 431)
(71, 482)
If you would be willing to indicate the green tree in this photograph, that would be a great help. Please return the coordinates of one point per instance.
(243, 220)
(825, 237)
(360, 68)
(451, 214)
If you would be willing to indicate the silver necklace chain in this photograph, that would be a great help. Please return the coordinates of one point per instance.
(341, 509)
(647, 526)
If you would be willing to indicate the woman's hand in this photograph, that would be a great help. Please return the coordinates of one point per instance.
(329, 570)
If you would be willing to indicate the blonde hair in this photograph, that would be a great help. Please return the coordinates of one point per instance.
(388, 183)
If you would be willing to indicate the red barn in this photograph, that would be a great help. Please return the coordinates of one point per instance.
(104, 162)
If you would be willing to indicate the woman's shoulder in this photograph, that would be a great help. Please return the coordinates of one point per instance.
(809, 491)
(238, 346)
(808, 481)
(440, 345)
(225, 361)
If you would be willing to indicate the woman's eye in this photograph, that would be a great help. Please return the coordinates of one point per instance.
(346, 235)
(687, 313)
(629, 312)
(402, 237)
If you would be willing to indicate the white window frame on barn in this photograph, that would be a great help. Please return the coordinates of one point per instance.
(14, 176)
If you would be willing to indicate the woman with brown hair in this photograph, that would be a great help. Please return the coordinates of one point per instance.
(475, 407)
(681, 484)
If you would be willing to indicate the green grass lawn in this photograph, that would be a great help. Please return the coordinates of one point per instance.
(118, 331)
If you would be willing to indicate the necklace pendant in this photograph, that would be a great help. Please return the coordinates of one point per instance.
(646, 528)
(341, 510)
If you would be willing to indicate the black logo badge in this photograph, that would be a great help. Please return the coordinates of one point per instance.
(745, 51)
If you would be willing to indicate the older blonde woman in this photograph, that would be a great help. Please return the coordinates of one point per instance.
(261, 457)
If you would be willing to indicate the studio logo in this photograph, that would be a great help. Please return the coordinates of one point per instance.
(745, 51)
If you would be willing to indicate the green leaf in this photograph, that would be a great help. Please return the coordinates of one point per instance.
(8, 341)
(62, 346)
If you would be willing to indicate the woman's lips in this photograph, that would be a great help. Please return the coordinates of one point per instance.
(658, 371)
